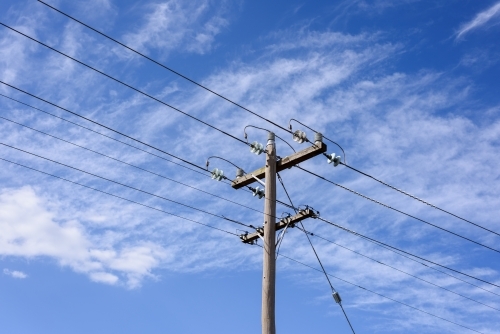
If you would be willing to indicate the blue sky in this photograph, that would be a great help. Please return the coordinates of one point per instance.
(408, 88)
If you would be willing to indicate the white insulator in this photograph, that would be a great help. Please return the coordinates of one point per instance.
(256, 148)
(336, 159)
(217, 174)
(299, 136)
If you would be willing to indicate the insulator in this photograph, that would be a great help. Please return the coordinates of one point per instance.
(256, 148)
(318, 137)
(217, 174)
(239, 172)
(334, 158)
(258, 192)
(336, 297)
(299, 136)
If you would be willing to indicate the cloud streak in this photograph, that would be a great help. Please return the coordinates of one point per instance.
(14, 273)
(480, 20)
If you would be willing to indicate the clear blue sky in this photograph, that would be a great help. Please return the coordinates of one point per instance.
(408, 88)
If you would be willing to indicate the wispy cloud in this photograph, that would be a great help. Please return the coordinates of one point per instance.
(186, 26)
(480, 20)
(14, 273)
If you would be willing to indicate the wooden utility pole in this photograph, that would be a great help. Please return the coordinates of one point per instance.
(269, 268)
(268, 232)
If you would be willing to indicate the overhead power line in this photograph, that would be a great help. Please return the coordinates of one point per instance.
(381, 295)
(390, 186)
(132, 165)
(101, 125)
(147, 95)
(200, 85)
(203, 171)
(166, 67)
(123, 83)
(402, 251)
(317, 257)
(398, 270)
(402, 212)
(231, 233)
(126, 185)
(420, 200)
(116, 196)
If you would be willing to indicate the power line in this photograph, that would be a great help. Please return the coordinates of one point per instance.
(402, 212)
(215, 93)
(166, 67)
(131, 165)
(392, 187)
(125, 185)
(113, 195)
(381, 295)
(399, 270)
(402, 251)
(106, 136)
(124, 84)
(231, 233)
(317, 256)
(114, 139)
(420, 200)
(135, 89)
(100, 124)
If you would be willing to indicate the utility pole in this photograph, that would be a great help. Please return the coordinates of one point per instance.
(269, 267)
(268, 232)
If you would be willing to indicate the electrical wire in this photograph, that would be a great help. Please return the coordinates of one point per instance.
(166, 67)
(204, 171)
(396, 269)
(402, 212)
(223, 97)
(123, 83)
(317, 256)
(125, 185)
(106, 136)
(131, 165)
(116, 196)
(420, 200)
(231, 233)
(381, 295)
(215, 228)
(402, 251)
(392, 187)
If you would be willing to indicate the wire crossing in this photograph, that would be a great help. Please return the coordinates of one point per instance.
(402, 212)
(381, 295)
(231, 233)
(399, 270)
(317, 256)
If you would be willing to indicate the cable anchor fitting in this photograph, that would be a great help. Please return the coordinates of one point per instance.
(336, 297)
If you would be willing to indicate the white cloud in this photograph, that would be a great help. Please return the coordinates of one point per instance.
(14, 273)
(28, 230)
(480, 20)
(179, 25)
